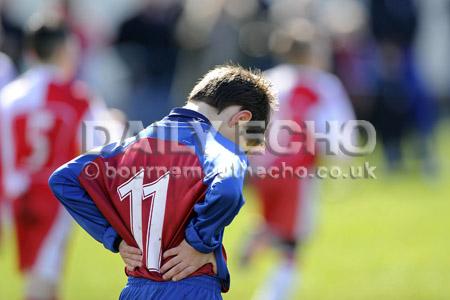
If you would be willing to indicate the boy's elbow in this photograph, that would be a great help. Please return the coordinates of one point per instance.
(232, 194)
(56, 182)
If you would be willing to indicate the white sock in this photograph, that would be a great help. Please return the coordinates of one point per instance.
(278, 285)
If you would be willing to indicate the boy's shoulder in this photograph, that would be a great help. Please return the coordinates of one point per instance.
(223, 157)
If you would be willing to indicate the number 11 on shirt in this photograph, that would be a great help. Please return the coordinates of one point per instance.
(137, 191)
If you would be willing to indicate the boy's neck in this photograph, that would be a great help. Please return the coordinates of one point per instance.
(205, 109)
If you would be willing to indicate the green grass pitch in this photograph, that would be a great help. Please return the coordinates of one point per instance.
(387, 239)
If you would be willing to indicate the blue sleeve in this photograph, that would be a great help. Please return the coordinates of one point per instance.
(222, 203)
(66, 187)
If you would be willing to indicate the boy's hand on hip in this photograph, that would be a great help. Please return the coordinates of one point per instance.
(131, 256)
(185, 261)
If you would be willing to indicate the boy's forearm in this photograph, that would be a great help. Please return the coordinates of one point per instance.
(68, 190)
(222, 203)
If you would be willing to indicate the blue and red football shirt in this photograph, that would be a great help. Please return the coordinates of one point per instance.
(177, 179)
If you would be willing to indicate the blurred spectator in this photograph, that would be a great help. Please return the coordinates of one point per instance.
(402, 101)
(11, 37)
(254, 34)
(147, 44)
(354, 65)
(353, 58)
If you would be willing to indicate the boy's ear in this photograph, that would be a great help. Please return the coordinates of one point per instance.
(241, 116)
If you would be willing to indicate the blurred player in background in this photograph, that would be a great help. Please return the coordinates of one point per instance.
(7, 70)
(41, 116)
(306, 93)
(7, 73)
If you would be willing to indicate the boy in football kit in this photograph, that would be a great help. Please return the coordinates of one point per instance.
(171, 190)
(7, 70)
(306, 94)
(40, 121)
(7, 74)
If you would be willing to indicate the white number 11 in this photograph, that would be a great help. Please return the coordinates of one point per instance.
(135, 189)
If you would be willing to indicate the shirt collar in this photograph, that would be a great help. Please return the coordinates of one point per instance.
(188, 113)
(181, 112)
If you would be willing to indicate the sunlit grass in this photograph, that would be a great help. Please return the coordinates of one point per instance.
(376, 239)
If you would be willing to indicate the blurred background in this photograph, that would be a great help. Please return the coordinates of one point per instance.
(384, 238)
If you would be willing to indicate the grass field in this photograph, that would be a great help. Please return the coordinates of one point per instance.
(387, 239)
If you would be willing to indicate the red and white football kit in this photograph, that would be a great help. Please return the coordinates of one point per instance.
(305, 94)
(40, 125)
(7, 73)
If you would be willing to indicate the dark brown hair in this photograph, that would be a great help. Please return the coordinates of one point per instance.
(45, 34)
(228, 85)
